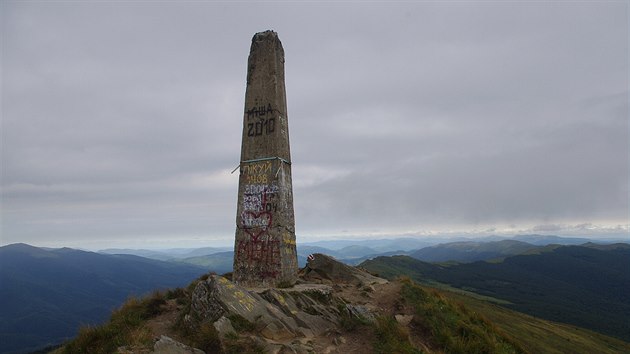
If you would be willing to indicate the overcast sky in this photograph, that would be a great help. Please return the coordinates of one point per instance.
(121, 121)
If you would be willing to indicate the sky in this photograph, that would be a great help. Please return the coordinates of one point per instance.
(121, 121)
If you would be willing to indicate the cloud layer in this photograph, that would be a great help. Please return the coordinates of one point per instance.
(122, 121)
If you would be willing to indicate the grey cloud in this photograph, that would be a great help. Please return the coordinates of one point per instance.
(402, 115)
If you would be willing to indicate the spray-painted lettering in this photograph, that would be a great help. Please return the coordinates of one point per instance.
(260, 120)
(264, 251)
(263, 126)
(259, 111)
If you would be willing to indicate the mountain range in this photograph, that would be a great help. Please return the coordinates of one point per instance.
(46, 294)
(471, 251)
(353, 252)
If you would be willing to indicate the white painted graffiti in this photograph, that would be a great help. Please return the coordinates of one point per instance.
(259, 197)
(260, 188)
(252, 219)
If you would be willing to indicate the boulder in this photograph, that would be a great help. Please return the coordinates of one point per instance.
(223, 326)
(280, 315)
(167, 345)
(360, 312)
(216, 297)
(404, 319)
(308, 307)
(321, 266)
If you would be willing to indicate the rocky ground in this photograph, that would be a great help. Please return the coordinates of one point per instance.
(327, 311)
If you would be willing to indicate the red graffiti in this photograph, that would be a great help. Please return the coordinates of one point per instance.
(268, 274)
(267, 251)
(256, 224)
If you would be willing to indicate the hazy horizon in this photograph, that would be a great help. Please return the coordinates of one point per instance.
(195, 244)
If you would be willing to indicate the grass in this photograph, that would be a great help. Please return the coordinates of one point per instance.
(576, 285)
(391, 337)
(285, 284)
(206, 338)
(452, 326)
(125, 328)
(239, 345)
(541, 336)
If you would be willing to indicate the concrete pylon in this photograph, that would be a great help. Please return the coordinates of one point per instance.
(264, 247)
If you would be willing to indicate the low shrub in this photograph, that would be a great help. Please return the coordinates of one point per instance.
(207, 339)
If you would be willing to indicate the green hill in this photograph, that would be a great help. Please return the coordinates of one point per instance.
(470, 251)
(220, 262)
(583, 286)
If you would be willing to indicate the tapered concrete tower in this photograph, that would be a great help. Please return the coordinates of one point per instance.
(264, 248)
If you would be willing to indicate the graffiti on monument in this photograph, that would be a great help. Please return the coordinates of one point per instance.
(260, 120)
(259, 202)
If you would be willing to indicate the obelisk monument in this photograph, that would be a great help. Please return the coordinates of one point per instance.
(264, 248)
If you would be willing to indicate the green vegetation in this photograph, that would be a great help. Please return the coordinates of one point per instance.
(453, 327)
(534, 334)
(125, 328)
(220, 262)
(582, 286)
(284, 284)
(391, 337)
(471, 251)
(239, 345)
(540, 336)
(205, 338)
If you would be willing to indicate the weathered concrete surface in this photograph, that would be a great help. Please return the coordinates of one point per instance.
(264, 248)
(322, 267)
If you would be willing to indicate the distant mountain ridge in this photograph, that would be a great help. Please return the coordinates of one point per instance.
(471, 251)
(45, 295)
(167, 254)
(418, 242)
(353, 252)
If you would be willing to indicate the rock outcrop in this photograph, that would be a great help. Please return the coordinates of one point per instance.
(166, 345)
(281, 317)
(279, 314)
(323, 268)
